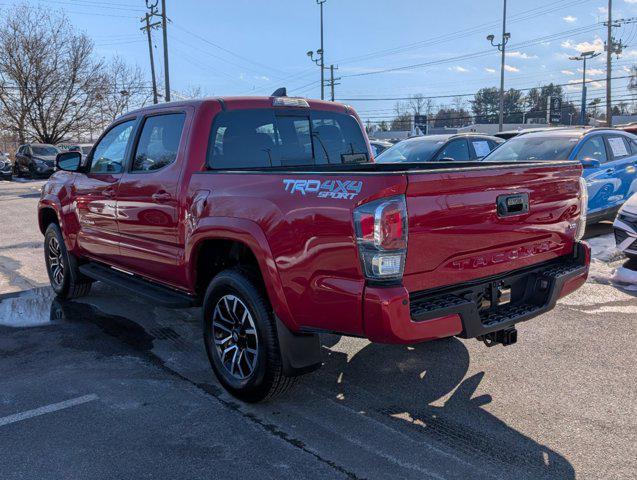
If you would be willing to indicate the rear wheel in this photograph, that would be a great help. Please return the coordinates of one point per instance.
(241, 339)
(64, 275)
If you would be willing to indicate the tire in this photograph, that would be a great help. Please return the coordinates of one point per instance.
(16, 170)
(65, 277)
(236, 313)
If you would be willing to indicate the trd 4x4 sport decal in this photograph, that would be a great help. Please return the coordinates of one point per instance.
(339, 189)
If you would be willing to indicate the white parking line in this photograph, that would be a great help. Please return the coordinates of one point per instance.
(54, 407)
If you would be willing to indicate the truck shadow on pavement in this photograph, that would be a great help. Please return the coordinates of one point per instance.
(420, 391)
(423, 389)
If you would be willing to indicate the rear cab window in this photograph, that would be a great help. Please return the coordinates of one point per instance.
(269, 138)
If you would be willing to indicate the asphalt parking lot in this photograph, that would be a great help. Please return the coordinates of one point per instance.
(112, 387)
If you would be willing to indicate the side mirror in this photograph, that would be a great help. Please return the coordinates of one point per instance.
(69, 161)
(590, 163)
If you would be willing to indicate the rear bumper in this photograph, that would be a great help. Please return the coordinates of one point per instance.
(392, 315)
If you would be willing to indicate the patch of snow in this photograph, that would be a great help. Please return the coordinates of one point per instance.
(626, 278)
(603, 248)
(28, 309)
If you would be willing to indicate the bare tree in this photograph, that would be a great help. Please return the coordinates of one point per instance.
(50, 83)
(402, 119)
(124, 89)
(417, 103)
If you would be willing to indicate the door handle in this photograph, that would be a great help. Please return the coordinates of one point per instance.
(610, 170)
(161, 196)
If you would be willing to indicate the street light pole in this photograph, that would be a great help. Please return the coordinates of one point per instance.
(609, 53)
(502, 48)
(322, 52)
(583, 57)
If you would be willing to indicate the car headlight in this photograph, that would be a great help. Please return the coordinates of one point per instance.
(583, 208)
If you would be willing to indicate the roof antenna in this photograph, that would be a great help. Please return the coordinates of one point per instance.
(280, 92)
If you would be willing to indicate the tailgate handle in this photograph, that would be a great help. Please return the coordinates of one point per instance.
(509, 205)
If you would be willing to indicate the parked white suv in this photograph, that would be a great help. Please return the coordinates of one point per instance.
(626, 227)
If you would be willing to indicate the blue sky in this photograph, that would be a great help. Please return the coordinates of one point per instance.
(230, 47)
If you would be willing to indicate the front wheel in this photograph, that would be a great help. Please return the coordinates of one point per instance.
(66, 280)
(241, 339)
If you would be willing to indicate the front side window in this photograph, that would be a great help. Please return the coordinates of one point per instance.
(159, 142)
(270, 138)
(110, 152)
(593, 149)
(456, 150)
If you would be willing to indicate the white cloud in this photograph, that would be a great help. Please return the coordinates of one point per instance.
(568, 72)
(630, 1)
(596, 45)
(629, 53)
(490, 70)
(511, 69)
(569, 19)
(457, 68)
(261, 77)
(518, 54)
(593, 71)
(602, 10)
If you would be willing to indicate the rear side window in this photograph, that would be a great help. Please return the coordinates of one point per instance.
(619, 147)
(267, 138)
(159, 142)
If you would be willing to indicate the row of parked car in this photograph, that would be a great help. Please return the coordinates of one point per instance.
(608, 157)
(36, 160)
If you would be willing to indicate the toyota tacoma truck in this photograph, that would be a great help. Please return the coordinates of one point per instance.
(271, 215)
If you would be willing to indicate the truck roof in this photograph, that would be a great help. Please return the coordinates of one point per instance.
(240, 102)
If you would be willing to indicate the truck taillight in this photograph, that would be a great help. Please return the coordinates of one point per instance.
(583, 206)
(381, 234)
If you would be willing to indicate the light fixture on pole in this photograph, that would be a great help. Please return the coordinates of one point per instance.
(583, 57)
(501, 47)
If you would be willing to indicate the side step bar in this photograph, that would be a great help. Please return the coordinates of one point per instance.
(163, 296)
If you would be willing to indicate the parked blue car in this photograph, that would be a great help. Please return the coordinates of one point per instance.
(609, 158)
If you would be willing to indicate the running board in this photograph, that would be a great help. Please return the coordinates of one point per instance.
(163, 296)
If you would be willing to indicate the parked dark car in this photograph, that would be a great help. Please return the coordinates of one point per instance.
(461, 147)
(379, 146)
(6, 169)
(35, 160)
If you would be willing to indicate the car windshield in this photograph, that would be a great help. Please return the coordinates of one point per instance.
(47, 151)
(420, 150)
(523, 148)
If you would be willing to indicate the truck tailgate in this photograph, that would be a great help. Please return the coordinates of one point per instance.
(457, 234)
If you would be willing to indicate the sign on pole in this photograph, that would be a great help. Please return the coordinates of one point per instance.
(554, 110)
(420, 122)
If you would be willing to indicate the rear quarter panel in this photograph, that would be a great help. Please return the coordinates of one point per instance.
(310, 238)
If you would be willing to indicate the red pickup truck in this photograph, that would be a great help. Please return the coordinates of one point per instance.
(270, 214)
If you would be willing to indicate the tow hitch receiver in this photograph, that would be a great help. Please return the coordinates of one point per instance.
(505, 337)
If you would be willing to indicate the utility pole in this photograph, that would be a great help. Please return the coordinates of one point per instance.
(322, 64)
(148, 28)
(333, 81)
(502, 48)
(164, 22)
(609, 53)
(583, 57)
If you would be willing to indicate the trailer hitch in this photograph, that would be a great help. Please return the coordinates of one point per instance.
(505, 337)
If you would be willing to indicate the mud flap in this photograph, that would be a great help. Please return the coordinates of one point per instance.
(300, 352)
